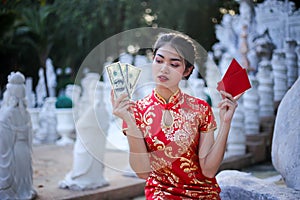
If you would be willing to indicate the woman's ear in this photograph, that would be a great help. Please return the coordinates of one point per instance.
(187, 72)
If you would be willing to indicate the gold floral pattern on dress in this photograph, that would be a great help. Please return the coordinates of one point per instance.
(173, 149)
(160, 146)
(187, 165)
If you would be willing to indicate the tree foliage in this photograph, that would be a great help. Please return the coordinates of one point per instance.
(66, 31)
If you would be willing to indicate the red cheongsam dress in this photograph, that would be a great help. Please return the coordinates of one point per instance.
(173, 146)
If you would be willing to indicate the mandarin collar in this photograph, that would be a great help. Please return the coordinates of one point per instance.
(172, 100)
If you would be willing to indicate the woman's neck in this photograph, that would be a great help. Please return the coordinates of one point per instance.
(166, 93)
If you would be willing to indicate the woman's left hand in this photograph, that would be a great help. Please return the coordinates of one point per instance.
(227, 106)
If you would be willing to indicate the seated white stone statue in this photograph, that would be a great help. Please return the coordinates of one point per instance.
(15, 142)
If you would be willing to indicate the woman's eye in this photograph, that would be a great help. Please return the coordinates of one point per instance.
(175, 64)
(158, 61)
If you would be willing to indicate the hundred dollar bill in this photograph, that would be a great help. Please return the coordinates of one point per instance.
(124, 69)
(131, 74)
(117, 79)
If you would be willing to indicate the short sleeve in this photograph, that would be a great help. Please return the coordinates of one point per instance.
(208, 121)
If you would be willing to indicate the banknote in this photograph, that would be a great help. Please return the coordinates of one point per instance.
(132, 75)
(117, 79)
(123, 78)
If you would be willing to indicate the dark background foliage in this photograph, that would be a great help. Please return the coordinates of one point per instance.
(66, 31)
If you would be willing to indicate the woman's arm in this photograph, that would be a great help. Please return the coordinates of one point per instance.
(211, 153)
(138, 157)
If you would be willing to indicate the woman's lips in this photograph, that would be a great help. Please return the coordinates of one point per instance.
(162, 78)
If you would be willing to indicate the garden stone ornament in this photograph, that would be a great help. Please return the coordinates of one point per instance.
(15, 142)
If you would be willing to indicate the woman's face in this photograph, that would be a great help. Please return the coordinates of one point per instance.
(168, 68)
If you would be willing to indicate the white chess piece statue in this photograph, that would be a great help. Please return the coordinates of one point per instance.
(51, 78)
(40, 89)
(15, 140)
(47, 123)
(88, 154)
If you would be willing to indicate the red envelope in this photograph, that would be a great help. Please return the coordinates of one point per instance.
(235, 81)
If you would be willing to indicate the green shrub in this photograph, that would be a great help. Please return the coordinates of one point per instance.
(63, 102)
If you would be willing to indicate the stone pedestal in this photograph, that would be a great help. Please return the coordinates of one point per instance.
(65, 126)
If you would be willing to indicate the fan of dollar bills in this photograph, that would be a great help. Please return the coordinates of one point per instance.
(123, 78)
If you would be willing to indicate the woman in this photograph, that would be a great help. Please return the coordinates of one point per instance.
(171, 134)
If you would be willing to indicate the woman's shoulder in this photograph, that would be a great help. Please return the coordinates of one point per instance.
(144, 102)
(147, 98)
(196, 100)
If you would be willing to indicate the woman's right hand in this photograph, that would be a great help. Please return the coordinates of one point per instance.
(122, 107)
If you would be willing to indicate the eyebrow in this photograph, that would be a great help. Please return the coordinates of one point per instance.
(172, 59)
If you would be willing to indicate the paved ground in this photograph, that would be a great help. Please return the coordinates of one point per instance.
(51, 163)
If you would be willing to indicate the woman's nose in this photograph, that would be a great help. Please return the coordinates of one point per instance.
(164, 68)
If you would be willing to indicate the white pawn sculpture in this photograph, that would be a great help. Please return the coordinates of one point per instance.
(298, 56)
(236, 144)
(280, 74)
(198, 87)
(126, 58)
(73, 92)
(185, 87)
(40, 89)
(29, 93)
(140, 61)
(88, 168)
(251, 108)
(291, 61)
(145, 83)
(213, 76)
(15, 142)
(265, 89)
(84, 101)
(51, 78)
(225, 62)
(47, 132)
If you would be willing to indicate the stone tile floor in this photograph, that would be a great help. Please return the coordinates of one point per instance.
(51, 163)
(263, 170)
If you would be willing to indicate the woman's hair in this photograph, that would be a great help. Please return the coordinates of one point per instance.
(183, 45)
